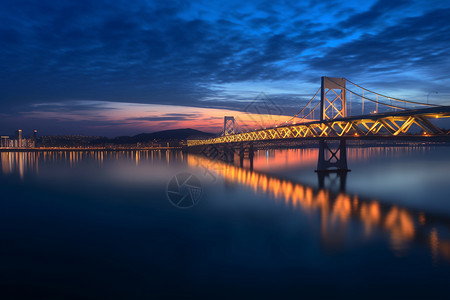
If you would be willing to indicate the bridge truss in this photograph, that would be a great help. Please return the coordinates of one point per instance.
(368, 126)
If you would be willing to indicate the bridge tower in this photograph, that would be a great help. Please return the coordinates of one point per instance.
(228, 125)
(332, 104)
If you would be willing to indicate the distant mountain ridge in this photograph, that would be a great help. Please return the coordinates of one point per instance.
(174, 136)
(165, 135)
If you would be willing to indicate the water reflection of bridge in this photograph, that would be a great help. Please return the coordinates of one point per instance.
(338, 209)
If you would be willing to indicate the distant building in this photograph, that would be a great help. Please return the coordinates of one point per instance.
(5, 142)
(35, 138)
(19, 138)
(19, 141)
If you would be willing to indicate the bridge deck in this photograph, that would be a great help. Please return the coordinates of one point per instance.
(402, 124)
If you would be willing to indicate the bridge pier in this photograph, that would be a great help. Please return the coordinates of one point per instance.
(332, 160)
(227, 153)
(251, 154)
(241, 155)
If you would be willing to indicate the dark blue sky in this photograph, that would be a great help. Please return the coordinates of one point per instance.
(66, 64)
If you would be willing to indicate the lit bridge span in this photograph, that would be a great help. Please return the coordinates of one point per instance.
(379, 126)
(396, 119)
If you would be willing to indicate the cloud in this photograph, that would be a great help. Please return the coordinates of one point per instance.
(379, 10)
(201, 54)
(416, 47)
(167, 117)
(142, 52)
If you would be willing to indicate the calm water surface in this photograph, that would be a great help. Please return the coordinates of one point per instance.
(99, 225)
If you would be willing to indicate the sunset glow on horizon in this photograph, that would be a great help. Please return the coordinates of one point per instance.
(121, 118)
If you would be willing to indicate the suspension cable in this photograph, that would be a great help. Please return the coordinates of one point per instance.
(295, 116)
(391, 98)
(363, 97)
(310, 112)
(375, 101)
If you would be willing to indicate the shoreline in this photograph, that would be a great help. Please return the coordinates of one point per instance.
(84, 149)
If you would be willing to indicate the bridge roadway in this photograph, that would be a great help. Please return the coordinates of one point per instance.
(399, 125)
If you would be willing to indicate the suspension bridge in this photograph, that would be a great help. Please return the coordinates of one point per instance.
(381, 117)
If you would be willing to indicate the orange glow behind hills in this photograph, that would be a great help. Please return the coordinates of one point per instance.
(137, 117)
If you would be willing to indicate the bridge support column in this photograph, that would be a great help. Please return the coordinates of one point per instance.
(251, 154)
(241, 155)
(227, 153)
(332, 160)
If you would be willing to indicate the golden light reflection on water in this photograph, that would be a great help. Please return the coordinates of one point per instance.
(400, 225)
(434, 244)
(336, 210)
(366, 153)
(20, 162)
(278, 159)
(15, 162)
(370, 216)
